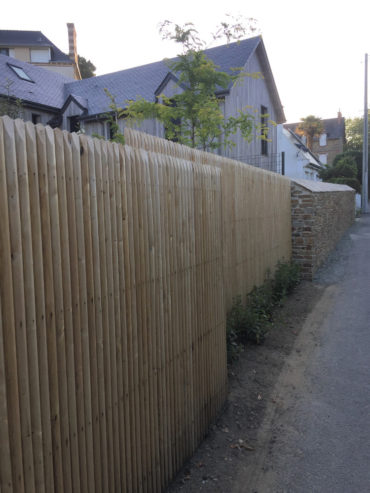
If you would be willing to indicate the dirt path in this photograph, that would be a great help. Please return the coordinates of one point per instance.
(238, 442)
(297, 416)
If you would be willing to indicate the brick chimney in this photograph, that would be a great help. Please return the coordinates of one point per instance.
(339, 116)
(72, 48)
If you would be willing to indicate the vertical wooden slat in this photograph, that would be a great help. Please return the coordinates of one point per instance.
(19, 300)
(7, 295)
(128, 401)
(6, 481)
(42, 151)
(71, 442)
(37, 248)
(114, 313)
(58, 306)
(95, 176)
(131, 321)
(30, 309)
(72, 156)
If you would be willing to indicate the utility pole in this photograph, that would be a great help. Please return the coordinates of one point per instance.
(365, 161)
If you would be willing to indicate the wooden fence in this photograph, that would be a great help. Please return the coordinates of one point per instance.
(112, 304)
(256, 214)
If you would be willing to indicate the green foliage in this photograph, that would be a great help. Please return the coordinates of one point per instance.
(343, 171)
(250, 322)
(287, 276)
(9, 105)
(87, 68)
(194, 116)
(311, 126)
(354, 134)
(112, 117)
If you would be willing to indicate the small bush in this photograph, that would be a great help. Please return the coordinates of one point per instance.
(250, 322)
(287, 276)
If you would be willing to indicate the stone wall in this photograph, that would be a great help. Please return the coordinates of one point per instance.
(321, 213)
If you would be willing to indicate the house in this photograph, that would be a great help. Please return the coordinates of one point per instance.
(298, 162)
(84, 104)
(331, 142)
(35, 48)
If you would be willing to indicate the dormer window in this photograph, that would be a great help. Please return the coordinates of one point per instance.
(4, 51)
(20, 72)
(40, 55)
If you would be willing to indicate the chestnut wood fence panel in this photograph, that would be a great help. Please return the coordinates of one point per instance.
(115, 276)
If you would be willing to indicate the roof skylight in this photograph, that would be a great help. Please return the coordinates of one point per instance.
(20, 72)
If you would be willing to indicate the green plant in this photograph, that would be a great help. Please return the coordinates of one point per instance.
(250, 322)
(193, 116)
(235, 323)
(112, 117)
(287, 276)
(344, 171)
(10, 105)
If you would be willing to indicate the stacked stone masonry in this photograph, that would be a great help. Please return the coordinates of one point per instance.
(321, 213)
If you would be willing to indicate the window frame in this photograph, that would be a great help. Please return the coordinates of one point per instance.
(18, 72)
(264, 120)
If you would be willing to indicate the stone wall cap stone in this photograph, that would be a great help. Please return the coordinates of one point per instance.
(320, 186)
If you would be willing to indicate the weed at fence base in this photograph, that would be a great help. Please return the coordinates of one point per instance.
(250, 322)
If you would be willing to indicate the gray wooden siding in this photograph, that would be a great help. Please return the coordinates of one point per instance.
(254, 93)
(72, 110)
(44, 116)
(248, 94)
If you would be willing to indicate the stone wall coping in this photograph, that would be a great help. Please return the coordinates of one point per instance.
(320, 186)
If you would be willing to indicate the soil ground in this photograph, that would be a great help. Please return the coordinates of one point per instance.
(233, 443)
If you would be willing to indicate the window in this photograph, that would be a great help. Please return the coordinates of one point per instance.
(20, 72)
(35, 118)
(264, 130)
(74, 124)
(40, 55)
(4, 51)
(323, 140)
(323, 158)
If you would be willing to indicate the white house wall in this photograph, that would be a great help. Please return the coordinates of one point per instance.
(296, 164)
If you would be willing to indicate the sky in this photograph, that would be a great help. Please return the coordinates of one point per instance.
(316, 49)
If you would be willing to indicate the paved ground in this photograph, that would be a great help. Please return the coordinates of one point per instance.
(317, 437)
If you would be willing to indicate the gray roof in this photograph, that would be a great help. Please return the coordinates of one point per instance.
(334, 127)
(53, 89)
(33, 39)
(46, 89)
(143, 81)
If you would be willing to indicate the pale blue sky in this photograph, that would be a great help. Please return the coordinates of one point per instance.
(316, 48)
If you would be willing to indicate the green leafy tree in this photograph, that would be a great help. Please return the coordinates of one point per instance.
(113, 116)
(10, 105)
(87, 68)
(193, 116)
(355, 134)
(311, 127)
(343, 171)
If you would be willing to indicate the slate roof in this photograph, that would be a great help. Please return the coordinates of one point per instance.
(53, 89)
(334, 127)
(46, 89)
(145, 79)
(34, 39)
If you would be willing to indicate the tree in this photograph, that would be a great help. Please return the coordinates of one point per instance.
(354, 134)
(10, 105)
(311, 126)
(193, 116)
(87, 68)
(344, 171)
